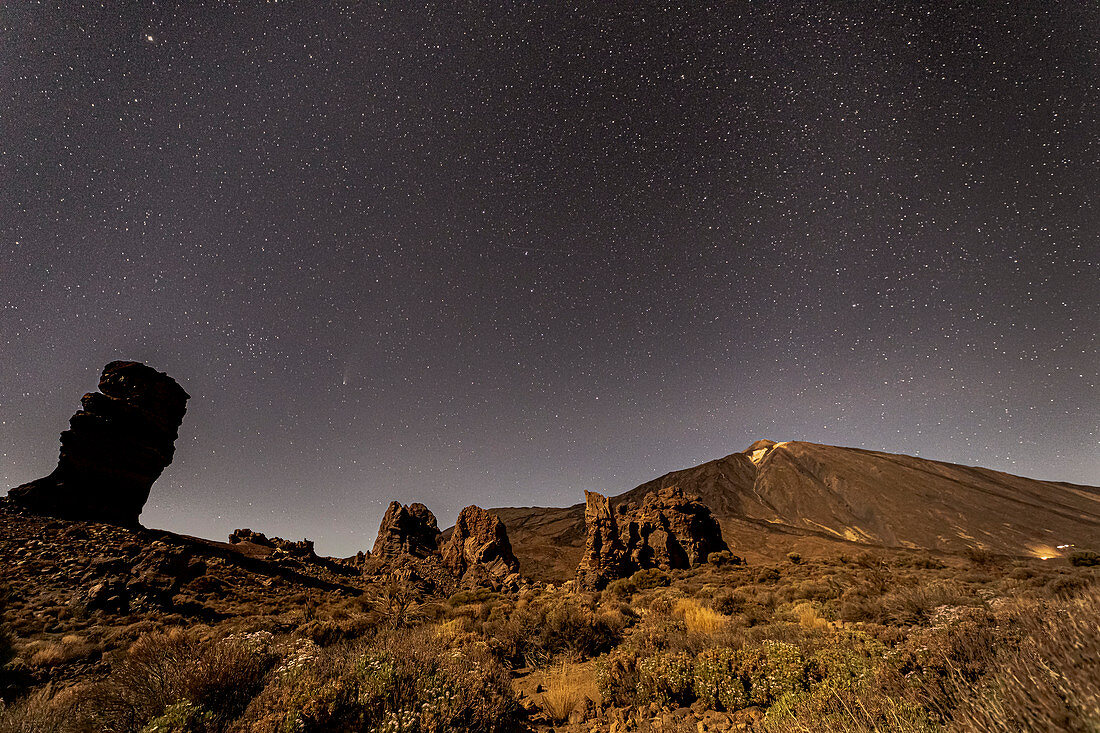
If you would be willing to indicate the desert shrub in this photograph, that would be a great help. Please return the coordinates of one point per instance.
(1084, 559)
(404, 681)
(855, 608)
(980, 556)
(794, 558)
(41, 713)
(561, 624)
(1063, 586)
(723, 558)
(182, 717)
(621, 588)
(617, 677)
(396, 604)
(567, 690)
(716, 679)
(46, 654)
(910, 605)
(922, 562)
(666, 679)
(1021, 573)
(728, 602)
(767, 575)
(650, 578)
(1049, 681)
(754, 675)
(166, 669)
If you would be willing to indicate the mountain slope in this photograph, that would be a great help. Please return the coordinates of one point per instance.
(777, 497)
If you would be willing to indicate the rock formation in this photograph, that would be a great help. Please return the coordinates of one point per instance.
(301, 548)
(669, 530)
(410, 530)
(117, 445)
(605, 558)
(479, 542)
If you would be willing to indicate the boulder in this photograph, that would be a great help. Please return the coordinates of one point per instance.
(116, 446)
(669, 530)
(410, 530)
(479, 539)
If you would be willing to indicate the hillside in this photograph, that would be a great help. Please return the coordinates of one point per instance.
(774, 498)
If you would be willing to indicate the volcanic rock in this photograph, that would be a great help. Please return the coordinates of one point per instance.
(670, 530)
(605, 559)
(479, 540)
(116, 446)
(408, 530)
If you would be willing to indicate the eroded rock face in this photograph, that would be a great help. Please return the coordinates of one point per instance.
(408, 530)
(116, 446)
(479, 542)
(669, 530)
(605, 558)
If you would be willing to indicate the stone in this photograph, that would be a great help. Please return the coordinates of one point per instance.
(410, 530)
(670, 530)
(116, 446)
(479, 540)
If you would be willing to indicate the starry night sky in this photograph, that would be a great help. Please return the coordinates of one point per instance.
(474, 254)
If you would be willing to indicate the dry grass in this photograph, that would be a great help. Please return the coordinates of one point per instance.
(809, 618)
(42, 654)
(567, 689)
(1049, 682)
(698, 618)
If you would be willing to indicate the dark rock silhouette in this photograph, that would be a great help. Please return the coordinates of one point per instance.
(669, 530)
(479, 542)
(116, 446)
(410, 530)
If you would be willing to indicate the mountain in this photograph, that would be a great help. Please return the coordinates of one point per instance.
(774, 498)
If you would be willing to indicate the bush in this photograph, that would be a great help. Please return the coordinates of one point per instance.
(617, 677)
(723, 558)
(545, 628)
(182, 717)
(1084, 559)
(406, 681)
(621, 588)
(716, 679)
(794, 558)
(666, 679)
(756, 675)
(163, 671)
(728, 602)
(650, 578)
